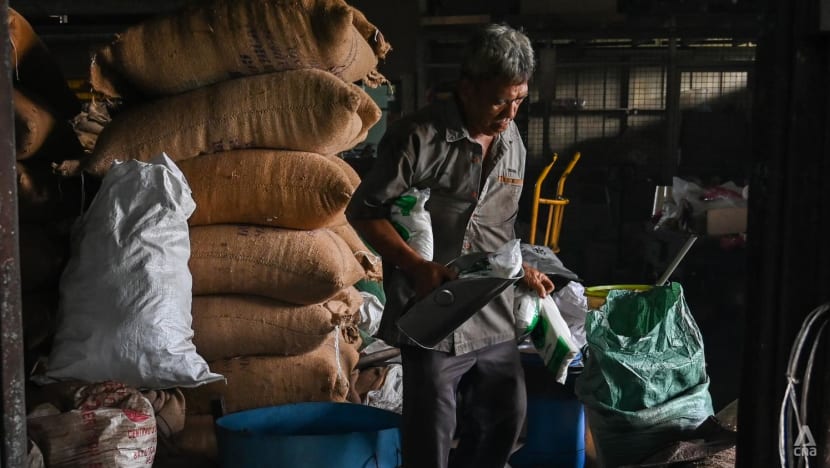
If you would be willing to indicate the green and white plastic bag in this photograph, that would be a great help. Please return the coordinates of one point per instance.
(548, 331)
(411, 219)
(506, 262)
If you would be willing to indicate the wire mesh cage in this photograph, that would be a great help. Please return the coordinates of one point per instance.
(609, 97)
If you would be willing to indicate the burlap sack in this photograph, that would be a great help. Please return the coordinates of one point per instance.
(371, 33)
(225, 39)
(375, 38)
(347, 169)
(39, 133)
(288, 189)
(32, 124)
(169, 408)
(90, 122)
(36, 71)
(371, 263)
(301, 110)
(370, 379)
(256, 382)
(226, 326)
(300, 267)
(44, 197)
(197, 441)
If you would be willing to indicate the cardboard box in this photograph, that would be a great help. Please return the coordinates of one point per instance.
(720, 221)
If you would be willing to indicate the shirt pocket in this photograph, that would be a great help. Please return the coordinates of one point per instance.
(500, 204)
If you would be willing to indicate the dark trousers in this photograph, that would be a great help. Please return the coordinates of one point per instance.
(491, 386)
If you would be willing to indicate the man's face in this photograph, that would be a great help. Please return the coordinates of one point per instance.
(490, 105)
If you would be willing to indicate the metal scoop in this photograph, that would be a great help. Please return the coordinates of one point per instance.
(428, 321)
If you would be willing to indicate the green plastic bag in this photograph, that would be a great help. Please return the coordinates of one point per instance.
(644, 383)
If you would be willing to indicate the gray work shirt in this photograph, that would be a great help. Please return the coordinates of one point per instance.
(470, 213)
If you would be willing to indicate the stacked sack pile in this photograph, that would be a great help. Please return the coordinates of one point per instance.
(254, 100)
(43, 107)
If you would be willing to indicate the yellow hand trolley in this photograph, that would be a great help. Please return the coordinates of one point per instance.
(556, 205)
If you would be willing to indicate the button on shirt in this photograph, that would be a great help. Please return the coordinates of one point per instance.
(473, 205)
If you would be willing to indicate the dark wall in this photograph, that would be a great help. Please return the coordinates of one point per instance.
(789, 218)
(399, 22)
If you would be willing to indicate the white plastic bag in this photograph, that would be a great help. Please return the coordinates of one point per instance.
(526, 313)
(371, 311)
(550, 336)
(125, 295)
(411, 219)
(573, 305)
(390, 395)
(505, 262)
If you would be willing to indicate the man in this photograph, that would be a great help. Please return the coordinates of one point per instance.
(470, 155)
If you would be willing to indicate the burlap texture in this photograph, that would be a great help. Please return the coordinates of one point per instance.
(379, 45)
(300, 267)
(44, 196)
(347, 169)
(371, 263)
(32, 124)
(198, 439)
(39, 133)
(257, 382)
(302, 110)
(35, 70)
(371, 33)
(226, 326)
(169, 407)
(288, 189)
(224, 39)
(370, 379)
(90, 122)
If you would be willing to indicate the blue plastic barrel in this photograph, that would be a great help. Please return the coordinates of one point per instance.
(310, 435)
(555, 420)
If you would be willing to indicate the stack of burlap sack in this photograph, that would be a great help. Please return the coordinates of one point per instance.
(254, 100)
(43, 107)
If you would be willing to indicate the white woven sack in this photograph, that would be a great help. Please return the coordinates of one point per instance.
(125, 294)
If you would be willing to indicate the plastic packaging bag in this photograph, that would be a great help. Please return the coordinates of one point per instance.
(370, 313)
(390, 395)
(644, 384)
(503, 263)
(543, 259)
(110, 425)
(125, 295)
(573, 305)
(411, 219)
(525, 312)
(550, 334)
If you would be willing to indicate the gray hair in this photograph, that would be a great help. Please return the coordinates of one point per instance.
(497, 50)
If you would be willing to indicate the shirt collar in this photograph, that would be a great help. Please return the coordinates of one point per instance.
(455, 129)
(455, 124)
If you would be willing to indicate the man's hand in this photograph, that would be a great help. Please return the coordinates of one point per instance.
(425, 276)
(537, 281)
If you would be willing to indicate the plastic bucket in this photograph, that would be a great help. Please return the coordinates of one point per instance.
(596, 294)
(310, 435)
